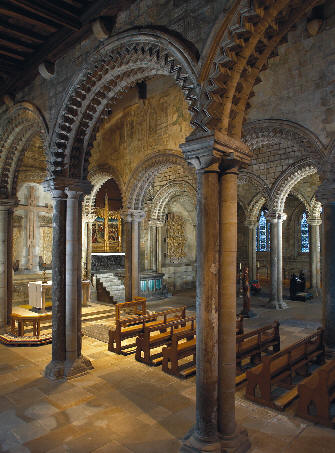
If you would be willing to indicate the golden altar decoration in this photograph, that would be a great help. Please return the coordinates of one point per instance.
(107, 230)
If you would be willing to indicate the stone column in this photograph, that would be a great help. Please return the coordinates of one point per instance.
(89, 249)
(252, 226)
(232, 436)
(326, 195)
(315, 254)
(205, 430)
(10, 265)
(66, 280)
(75, 363)
(276, 255)
(55, 369)
(159, 246)
(215, 429)
(132, 277)
(6, 226)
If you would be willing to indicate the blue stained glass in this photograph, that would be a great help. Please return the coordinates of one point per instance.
(304, 234)
(262, 234)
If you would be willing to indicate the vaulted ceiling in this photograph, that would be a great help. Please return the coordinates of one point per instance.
(35, 31)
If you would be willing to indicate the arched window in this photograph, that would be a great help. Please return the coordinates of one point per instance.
(262, 234)
(304, 234)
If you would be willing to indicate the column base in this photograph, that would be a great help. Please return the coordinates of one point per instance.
(55, 371)
(277, 304)
(79, 366)
(237, 443)
(194, 444)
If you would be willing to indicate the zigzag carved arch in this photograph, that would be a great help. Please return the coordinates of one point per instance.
(18, 127)
(238, 54)
(117, 65)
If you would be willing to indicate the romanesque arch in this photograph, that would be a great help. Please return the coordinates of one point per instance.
(271, 132)
(256, 180)
(238, 53)
(254, 208)
(144, 174)
(288, 179)
(115, 66)
(166, 193)
(98, 177)
(18, 128)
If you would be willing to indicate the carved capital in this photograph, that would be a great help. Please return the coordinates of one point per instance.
(8, 203)
(60, 186)
(215, 148)
(133, 215)
(326, 192)
(274, 217)
(155, 223)
(314, 221)
(251, 223)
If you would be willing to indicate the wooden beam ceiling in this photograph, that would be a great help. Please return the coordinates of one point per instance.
(33, 31)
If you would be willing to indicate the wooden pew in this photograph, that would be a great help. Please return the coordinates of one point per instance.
(182, 345)
(239, 325)
(281, 367)
(316, 394)
(132, 326)
(157, 335)
(253, 343)
(138, 306)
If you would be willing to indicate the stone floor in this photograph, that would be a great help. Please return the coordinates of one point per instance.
(126, 407)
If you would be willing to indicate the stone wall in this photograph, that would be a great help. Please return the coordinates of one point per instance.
(298, 84)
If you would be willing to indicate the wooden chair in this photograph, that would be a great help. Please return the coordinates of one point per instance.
(316, 394)
(280, 368)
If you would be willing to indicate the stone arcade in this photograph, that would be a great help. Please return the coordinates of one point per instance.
(155, 148)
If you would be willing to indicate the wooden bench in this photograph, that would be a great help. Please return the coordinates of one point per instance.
(138, 306)
(158, 335)
(132, 326)
(239, 325)
(183, 344)
(316, 394)
(253, 343)
(23, 319)
(281, 367)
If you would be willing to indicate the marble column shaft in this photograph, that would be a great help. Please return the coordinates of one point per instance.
(227, 302)
(207, 304)
(79, 276)
(252, 250)
(55, 369)
(128, 260)
(9, 265)
(135, 276)
(276, 257)
(315, 255)
(72, 261)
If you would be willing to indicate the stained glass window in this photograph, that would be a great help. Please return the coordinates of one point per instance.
(262, 234)
(304, 234)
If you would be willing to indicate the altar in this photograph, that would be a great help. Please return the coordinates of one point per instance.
(37, 293)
